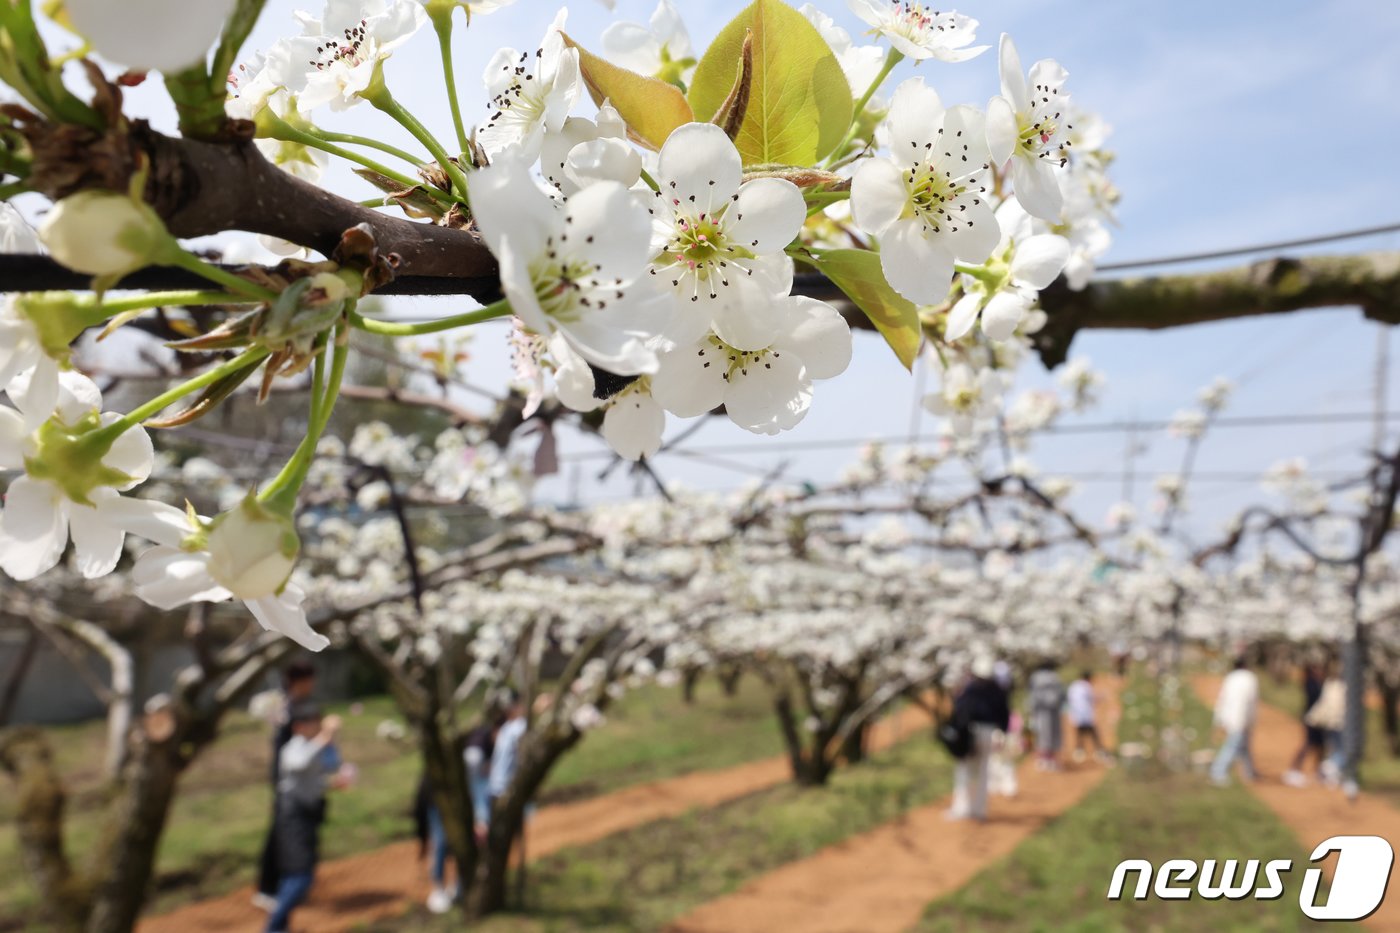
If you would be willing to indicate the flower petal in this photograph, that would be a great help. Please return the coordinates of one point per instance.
(1003, 315)
(34, 530)
(97, 539)
(770, 397)
(168, 577)
(606, 227)
(690, 380)
(284, 614)
(1013, 78)
(507, 203)
(1002, 130)
(919, 267)
(633, 424)
(699, 169)
(962, 317)
(916, 117)
(132, 453)
(1039, 260)
(819, 336)
(1037, 188)
(146, 518)
(878, 196)
(13, 437)
(751, 319)
(767, 215)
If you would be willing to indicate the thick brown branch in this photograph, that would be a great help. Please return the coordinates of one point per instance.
(1369, 281)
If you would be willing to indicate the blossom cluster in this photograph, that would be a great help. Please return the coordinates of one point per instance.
(648, 213)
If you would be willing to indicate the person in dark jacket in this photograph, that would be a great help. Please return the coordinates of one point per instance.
(1314, 739)
(298, 685)
(982, 708)
(304, 774)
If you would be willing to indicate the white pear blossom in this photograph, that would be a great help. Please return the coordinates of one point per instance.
(150, 35)
(966, 397)
(1083, 382)
(57, 499)
(578, 268)
(632, 420)
(585, 151)
(336, 57)
(21, 350)
(721, 241)
(1028, 125)
(928, 203)
(765, 390)
(920, 32)
(531, 94)
(180, 570)
(1023, 263)
(660, 50)
(16, 236)
(861, 63)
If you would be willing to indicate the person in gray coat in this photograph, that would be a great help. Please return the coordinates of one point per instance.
(1046, 699)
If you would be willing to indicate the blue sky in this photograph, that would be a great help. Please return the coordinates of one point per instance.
(1235, 123)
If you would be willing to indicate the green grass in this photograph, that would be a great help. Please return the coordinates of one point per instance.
(642, 879)
(1058, 879)
(218, 821)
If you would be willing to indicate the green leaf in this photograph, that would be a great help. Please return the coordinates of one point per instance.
(651, 108)
(857, 273)
(800, 104)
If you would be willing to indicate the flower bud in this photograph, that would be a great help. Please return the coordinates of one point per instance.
(104, 233)
(252, 550)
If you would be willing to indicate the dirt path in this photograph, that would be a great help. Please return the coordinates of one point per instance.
(884, 880)
(1313, 813)
(387, 882)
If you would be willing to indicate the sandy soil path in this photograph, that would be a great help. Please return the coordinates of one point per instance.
(883, 881)
(387, 882)
(1317, 812)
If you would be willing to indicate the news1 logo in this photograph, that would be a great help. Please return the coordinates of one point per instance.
(1358, 881)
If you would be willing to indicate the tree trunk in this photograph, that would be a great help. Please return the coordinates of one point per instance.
(125, 862)
(853, 748)
(39, 806)
(538, 754)
(451, 792)
(1390, 711)
(689, 680)
(729, 680)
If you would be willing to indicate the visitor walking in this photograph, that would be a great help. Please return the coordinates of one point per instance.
(1329, 715)
(1235, 710)
(1006, 745)
(1046, 702)
(1314, 737)
(298, 685)
(981, 710)
(506, 752)
(301, 796)
(1082, 702)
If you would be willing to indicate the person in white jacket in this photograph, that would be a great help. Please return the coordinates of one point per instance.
(1234, 716)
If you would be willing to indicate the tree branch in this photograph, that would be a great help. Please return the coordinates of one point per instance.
(1370, 281)
(203, 188)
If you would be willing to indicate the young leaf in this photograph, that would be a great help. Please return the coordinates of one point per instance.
(857, 273)
(799, 102)
(730, 116)
(651, 108)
